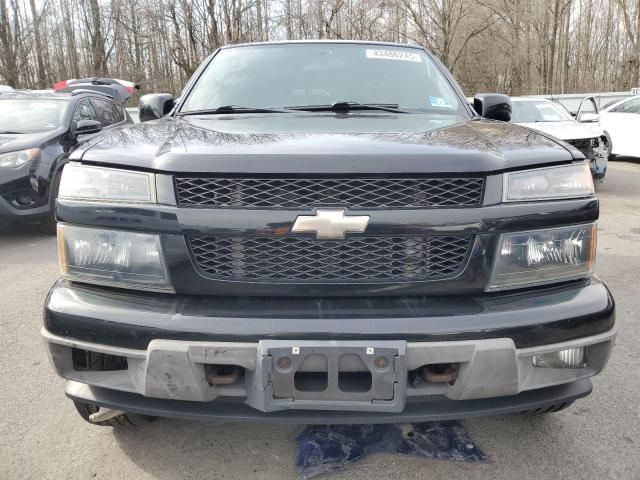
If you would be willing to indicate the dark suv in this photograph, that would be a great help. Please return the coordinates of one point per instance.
(38, 130)
(326, 232)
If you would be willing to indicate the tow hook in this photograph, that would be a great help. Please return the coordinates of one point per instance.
(222, 374)
(104, 414)
(441, 372)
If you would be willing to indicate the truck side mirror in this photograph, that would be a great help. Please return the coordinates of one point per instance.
(155, 105)
(494, 106)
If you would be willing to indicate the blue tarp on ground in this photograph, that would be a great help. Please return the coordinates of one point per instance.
(324, 448)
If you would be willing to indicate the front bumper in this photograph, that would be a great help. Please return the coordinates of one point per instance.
(11, 214)
(168, 340)
(14, 181)
(599, 167)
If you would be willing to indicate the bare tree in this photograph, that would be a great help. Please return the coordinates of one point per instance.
(515, 46)
(10, 42)
(447, 26)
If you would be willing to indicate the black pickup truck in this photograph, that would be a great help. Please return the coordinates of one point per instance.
(326, 232)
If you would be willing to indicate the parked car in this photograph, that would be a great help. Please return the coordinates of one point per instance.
(583, 132)
(120, 90)
(326, 232)
(622, 122)
(38, 130)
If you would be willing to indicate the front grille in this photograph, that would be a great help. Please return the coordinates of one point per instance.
(306, 260)
(309, 192)
(88, 361)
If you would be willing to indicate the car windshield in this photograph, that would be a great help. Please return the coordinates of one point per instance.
(533, 111)
(27, 115)
(302, 75)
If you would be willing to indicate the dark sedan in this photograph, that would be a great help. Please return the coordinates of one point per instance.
(37, 132)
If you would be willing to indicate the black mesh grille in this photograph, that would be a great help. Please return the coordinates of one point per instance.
(309, 192)
(306, 260)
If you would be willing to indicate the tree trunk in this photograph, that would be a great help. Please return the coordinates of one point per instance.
(98, 53)
(42, 80)
(636, 67)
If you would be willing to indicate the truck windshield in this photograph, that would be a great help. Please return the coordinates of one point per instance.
(296, 76)
(28, 115)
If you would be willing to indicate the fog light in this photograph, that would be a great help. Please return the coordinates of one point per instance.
(570, 358)
(25, 199)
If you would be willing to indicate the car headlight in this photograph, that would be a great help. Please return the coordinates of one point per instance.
(19, 158)
(84, 182)
(112, 257)
(543, 256)
(565, 181)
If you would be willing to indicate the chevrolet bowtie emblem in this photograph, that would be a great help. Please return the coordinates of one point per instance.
(330, 224)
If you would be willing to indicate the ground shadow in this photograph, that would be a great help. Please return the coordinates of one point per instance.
(170, 449)
(167, 449)
(622, 158)
(19, 229)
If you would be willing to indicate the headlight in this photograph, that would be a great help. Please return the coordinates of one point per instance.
(566, 181)
(112, 257)
(83, 182)
(16, 159)
(543, 256)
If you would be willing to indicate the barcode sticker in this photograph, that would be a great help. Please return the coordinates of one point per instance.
(394, 55)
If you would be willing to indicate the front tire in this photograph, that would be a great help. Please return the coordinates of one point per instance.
(611, 156)
(49, 225)
(125, 420)
(556, 407)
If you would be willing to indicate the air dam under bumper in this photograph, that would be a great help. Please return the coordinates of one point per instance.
(435, 408)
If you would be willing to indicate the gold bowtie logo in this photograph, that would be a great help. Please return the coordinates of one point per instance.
(330, 224)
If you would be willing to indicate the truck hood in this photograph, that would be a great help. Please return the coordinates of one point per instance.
(569, 130)
(323, 143)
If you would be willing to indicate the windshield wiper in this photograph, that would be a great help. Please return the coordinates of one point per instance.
(232, 109)
(9, 132)
(346, 106)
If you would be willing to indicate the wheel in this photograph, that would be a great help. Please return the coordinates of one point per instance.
(556, 407)
(124, 420)
(610, 156)
(49, 224)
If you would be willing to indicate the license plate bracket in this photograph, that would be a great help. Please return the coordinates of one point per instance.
(385, 362)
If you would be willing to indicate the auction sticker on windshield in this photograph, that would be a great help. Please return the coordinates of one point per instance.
(394, 55)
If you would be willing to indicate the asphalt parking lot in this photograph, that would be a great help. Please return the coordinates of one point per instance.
(41, 436)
